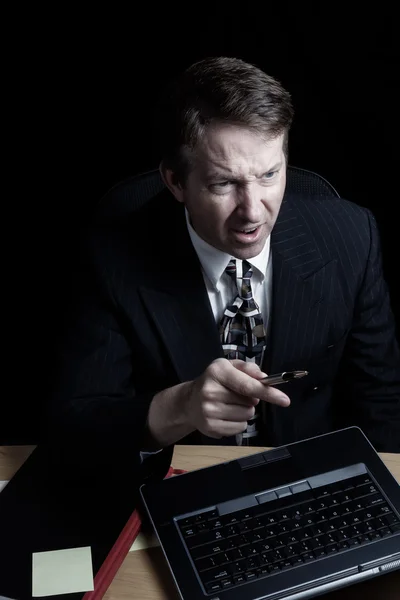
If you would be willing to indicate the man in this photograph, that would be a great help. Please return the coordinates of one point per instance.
(186, 305)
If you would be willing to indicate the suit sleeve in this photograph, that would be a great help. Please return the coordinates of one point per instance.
(94, 402)
(369, 381)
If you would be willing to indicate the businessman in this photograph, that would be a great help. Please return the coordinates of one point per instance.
(184, 307)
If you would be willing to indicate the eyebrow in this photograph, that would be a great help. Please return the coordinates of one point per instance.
(230, 176)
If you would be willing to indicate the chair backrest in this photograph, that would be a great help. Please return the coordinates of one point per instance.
(131, 193)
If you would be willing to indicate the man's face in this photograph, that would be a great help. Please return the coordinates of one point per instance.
(234, 192)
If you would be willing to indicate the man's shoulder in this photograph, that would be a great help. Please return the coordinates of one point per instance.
(338, 227)
(341, 216)
(138, 233)
(327, 206)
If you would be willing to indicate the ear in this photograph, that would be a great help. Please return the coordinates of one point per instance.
(170, 180)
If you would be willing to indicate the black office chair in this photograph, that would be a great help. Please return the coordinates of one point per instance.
(131, 193)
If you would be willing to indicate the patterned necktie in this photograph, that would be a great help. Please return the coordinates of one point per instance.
(242, 330)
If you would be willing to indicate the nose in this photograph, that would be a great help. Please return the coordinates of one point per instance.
(250, 205)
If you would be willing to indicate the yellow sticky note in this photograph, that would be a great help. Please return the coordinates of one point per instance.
(62, 571)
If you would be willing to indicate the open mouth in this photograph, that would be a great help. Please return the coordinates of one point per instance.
(247, 235)
(247, 231)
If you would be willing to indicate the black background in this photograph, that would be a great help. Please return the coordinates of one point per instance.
(79, 89)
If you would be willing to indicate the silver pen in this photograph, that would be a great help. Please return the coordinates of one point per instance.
(284, 377)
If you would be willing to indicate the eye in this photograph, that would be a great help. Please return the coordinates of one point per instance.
(222, 184)
(220, 187)
(269, 174)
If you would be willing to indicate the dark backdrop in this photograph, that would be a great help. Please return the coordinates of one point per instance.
(80, 89)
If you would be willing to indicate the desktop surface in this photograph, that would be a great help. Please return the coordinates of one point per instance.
(144, 574)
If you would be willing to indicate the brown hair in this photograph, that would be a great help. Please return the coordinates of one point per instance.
(219, 89)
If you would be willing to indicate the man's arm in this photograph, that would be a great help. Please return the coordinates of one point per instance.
(368, 389)
(94, 405)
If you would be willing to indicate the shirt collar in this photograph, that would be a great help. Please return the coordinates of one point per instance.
(214, 261)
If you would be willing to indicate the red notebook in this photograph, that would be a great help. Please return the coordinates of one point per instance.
(116, 556)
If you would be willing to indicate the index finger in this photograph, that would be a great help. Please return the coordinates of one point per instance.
(244, 384)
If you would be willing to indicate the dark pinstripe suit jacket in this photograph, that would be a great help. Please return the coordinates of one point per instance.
(143, 323)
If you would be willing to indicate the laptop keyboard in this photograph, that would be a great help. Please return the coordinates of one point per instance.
(286, 533)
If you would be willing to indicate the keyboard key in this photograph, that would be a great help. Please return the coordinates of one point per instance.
(215, 524)
(344, 497)
(230, 519)
(293, 550)
(245, 514)
(212, 587)
(266, 546)
(238, 567)
(266, 558)
(365, 490)
(189, 531)
(235, 554)
(186, 522)
(383, 509)
(373, 500)
(353, 542)
(230, 531)
(305, 547)
(364, 539)
(250, 551)
(322, 493)
(307, 556)
(209, 549)
(391, 519)
(263, 571)
(211, 561)
(342, 546)
(333, 501)
(361, 480)
(216, 574)
(275, 568)
(252, 563)
(309, 507)
(256, 536)
(342, 535)
(204, 538)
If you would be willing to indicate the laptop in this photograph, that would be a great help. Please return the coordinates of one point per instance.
(293, 522)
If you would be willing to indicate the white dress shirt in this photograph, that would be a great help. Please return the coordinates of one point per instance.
(220, 287)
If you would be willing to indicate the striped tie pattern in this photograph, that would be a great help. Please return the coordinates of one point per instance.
(242, 331)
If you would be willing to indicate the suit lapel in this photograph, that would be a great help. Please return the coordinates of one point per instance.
(178, 303)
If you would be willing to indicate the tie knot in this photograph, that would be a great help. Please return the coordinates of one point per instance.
(232, 269)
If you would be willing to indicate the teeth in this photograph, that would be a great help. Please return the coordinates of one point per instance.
(249, 230)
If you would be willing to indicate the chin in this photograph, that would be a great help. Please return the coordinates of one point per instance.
(246, 253)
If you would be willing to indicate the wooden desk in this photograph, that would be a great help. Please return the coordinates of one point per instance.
(144, 574)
